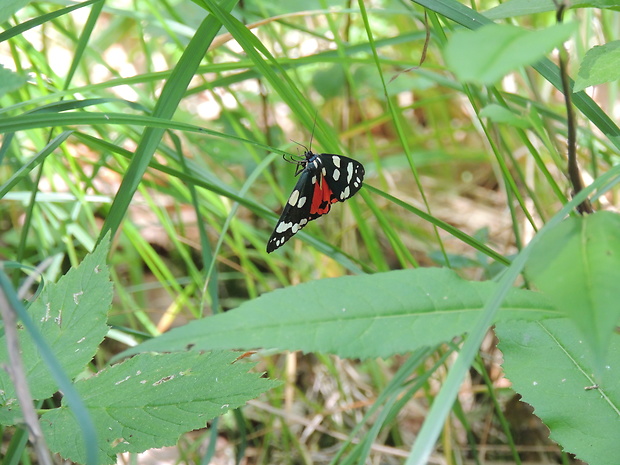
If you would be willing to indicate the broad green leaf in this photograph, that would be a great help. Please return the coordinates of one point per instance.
(354, 316)
(512, 8)
(290, 6)
(501, 114)
(71, 316)
(10, 81)
(149, 400)
(577, 266)
(459, 13)
(329, 82)
(487, 54)
(601, 64)
(547, 365)
(10, 7)
(611, 4)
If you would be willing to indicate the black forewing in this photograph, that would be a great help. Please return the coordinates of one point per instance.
(293, 214)
(341, 173)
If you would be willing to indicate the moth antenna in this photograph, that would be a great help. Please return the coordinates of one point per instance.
(302, 145)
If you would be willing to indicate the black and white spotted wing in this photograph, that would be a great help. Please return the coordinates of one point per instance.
(325, 179)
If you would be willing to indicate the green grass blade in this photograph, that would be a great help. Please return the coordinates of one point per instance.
(173, 92)
(35, 22)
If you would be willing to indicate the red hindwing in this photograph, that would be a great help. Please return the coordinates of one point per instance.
(322, 197)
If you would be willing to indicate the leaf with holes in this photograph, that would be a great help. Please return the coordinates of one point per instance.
(71, 316)
(150, 400)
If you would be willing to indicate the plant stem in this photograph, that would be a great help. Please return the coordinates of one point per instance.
(573, 167)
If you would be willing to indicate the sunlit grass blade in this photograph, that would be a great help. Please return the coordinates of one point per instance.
(172, 93)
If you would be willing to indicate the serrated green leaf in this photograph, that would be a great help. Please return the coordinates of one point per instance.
(71, 316)
(354, 316)
(500, 114)
(545, 362)
(487, 54)
(150, 400)
(577, 266)
(10, 81)
(601, 64)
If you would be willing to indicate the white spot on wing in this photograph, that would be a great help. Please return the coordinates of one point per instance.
(345, 193)
(336, 175)
(349, 172)
(282, 226)
(301, 202)
(292, 200)
(336, 160)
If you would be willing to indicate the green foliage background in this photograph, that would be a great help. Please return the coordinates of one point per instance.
(164, 123)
